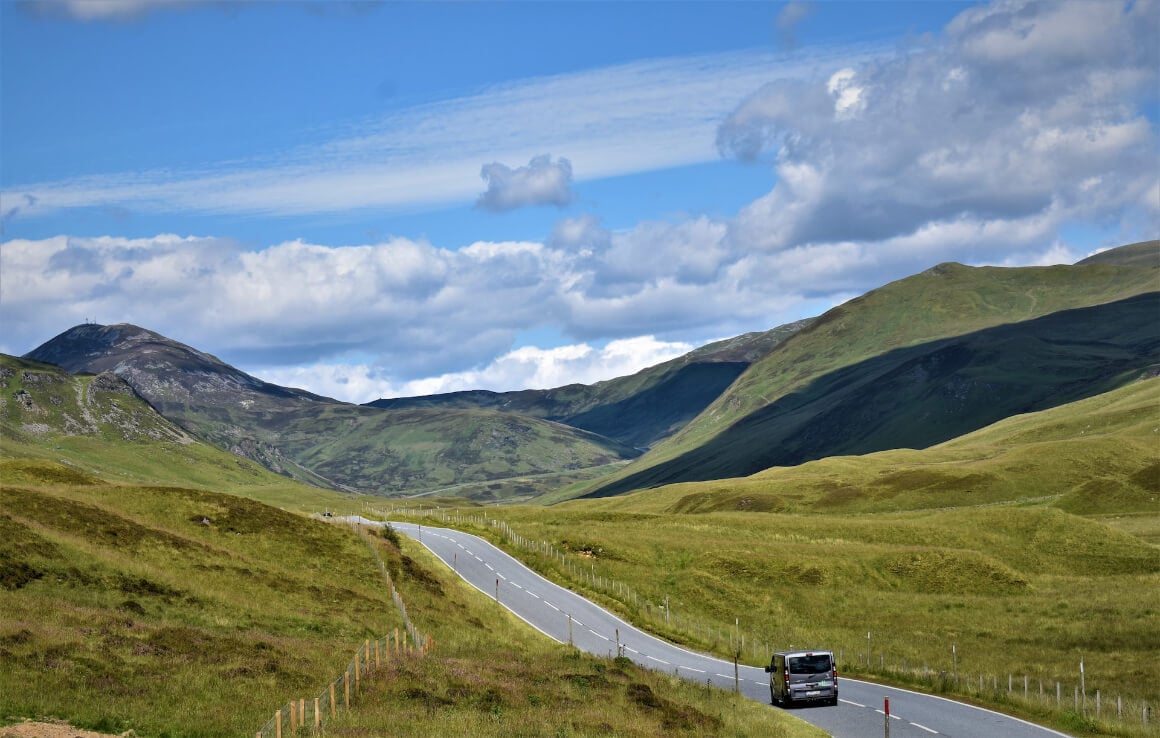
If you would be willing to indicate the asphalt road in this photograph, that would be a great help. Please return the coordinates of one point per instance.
(567, 617)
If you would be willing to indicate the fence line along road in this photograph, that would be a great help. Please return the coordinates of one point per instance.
(567, 617)
(310, 714)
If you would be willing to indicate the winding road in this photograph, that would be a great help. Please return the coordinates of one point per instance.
(567, 617)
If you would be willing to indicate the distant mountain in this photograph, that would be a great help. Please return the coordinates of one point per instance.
(638, 410)
(319, 440)
(780, 411)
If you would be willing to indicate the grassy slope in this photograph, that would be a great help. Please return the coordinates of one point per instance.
(947, 300)
(173, 611)
(179, 612)
(923, 395)
(491, 675)
(391, 451)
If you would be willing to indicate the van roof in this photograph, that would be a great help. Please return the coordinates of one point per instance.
(804, 652)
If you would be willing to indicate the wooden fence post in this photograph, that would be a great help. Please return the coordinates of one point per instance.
(346, 689)
(357, 669)
(317, 715)
(293, 716)
(278, 723)
(332, 705)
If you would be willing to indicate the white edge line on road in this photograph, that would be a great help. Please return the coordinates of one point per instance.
(923, 727)
(851, 702)
(963, 704)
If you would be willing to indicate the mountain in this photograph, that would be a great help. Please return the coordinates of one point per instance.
(638, 410)
(1095, 456)
(61, 428)
(319, 440)
(873, 351)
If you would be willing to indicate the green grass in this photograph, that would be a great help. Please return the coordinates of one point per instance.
(173, 611)
(182, 612)
(490, 675)
(1020, 590)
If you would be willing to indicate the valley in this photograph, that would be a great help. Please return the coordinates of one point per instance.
(958, 471)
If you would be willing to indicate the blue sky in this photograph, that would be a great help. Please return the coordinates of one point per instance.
(375, 199)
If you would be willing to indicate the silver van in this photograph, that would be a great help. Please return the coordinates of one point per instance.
(797, 677)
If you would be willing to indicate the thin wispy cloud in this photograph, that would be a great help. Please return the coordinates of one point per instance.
(612, 121)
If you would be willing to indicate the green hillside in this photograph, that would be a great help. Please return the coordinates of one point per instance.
(946, 301)
(1098, 456)
(922, 395)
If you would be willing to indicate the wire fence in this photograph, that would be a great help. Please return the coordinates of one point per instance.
(307, 715)
(1071, 701)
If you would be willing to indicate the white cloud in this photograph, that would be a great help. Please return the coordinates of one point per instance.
(636, 117)
(1018, 110)
(981, 146)
(527, 367)
(541, 182)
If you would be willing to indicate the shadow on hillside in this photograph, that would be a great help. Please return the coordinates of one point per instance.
(919, 396)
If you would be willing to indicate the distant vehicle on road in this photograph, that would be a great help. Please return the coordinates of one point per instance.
(800, 677)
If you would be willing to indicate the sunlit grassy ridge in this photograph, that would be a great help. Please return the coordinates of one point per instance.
(946, 301)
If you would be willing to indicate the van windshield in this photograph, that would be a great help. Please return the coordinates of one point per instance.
(812, 664)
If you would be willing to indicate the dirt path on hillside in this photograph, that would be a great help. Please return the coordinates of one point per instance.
(49, 730)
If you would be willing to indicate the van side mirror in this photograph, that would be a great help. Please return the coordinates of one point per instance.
(769, 670)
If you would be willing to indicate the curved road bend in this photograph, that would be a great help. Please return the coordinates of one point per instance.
(566, 616)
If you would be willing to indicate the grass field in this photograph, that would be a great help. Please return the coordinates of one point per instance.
(183, 612)
(1023, 547)
(491, 675)
(173, 611)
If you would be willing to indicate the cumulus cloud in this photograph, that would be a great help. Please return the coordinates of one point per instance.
(528, 367)
(541, 182)
(420, 310)
(1018, 110)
